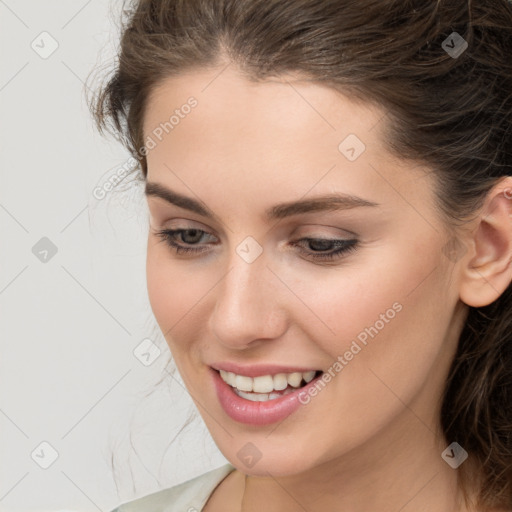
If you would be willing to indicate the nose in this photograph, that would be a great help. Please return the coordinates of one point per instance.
(249, 304)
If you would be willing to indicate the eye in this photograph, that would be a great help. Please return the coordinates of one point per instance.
(320, 249)
(189, 236)
(340, 246)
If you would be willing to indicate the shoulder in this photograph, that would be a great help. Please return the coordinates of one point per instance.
(189, 496)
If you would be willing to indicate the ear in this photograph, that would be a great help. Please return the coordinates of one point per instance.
(487, 267)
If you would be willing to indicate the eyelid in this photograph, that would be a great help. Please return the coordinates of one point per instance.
(182, 223)
(341, 233)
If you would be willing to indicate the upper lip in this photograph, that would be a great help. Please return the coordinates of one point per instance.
(256, 370)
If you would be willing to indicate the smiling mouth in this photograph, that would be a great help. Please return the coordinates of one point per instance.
(267, 387)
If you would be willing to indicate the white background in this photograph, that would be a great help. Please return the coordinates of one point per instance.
(69, 325)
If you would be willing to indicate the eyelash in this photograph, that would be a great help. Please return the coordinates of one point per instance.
(345, 246)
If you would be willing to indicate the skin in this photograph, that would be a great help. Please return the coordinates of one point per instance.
(371, 439)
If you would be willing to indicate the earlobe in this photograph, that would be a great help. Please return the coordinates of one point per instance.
(487, 267)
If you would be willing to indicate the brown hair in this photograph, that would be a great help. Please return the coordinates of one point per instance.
(452, 113)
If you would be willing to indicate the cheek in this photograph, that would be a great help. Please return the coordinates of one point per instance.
(171, 289)
(387, 315)
(390, 324)
(178, 293)
(344, 302)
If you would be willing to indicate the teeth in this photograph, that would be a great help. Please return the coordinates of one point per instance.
(262, 384)
(294, 379)
(308, 376)
(266, 383)
(261, 397)
(243, 383)
(280, 381)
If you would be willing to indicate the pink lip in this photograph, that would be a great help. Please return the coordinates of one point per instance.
(257, 370)
(257, 413)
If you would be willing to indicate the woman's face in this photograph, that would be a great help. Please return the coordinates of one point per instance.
(261, 298)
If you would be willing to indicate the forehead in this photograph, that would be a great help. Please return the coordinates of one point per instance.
(227, 100)
(277, 137)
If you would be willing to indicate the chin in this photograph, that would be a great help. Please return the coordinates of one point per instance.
(256, 455)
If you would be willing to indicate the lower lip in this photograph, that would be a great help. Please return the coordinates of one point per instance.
(257, 413)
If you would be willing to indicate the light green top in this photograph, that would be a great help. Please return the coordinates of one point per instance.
(189, 496)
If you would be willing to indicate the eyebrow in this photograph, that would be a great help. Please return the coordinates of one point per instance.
(330, 202)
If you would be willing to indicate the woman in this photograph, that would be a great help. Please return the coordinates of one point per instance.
(329, 186)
